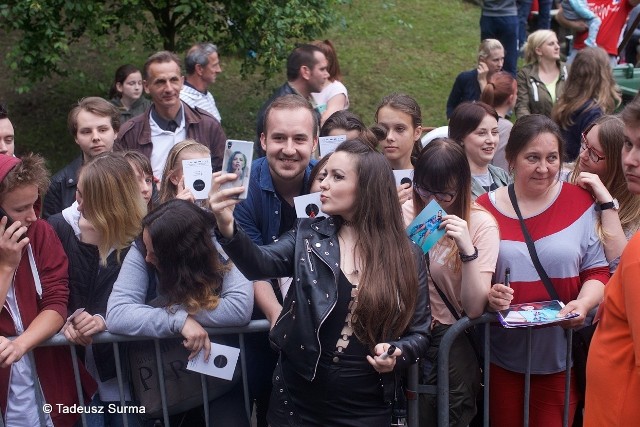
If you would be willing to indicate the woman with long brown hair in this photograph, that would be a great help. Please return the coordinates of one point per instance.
(175, 281)
(599, 170)
(346, 306)
(590, 92)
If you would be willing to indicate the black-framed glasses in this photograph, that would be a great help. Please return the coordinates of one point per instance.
(593, 154)
(425, 193)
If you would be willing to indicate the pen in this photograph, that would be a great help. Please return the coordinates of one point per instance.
(507, 277)
(389, 352)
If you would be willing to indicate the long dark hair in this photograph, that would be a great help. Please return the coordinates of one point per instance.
(190, 270)
(387, 296)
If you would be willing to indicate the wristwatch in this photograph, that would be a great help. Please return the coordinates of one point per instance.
(609, 205)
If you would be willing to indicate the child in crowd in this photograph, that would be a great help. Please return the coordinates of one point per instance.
(401, 116)
(126, 92)
(172, 186)
(333, 96)
(578, 10)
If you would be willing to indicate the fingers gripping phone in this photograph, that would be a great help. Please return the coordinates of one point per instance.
(9, 222)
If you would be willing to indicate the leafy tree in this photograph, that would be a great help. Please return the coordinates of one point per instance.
(260, 30)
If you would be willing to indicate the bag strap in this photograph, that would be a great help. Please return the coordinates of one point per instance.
(628, 34)
(444, 298)
(531, 246)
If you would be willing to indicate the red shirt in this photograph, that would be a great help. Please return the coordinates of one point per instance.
(613, 14)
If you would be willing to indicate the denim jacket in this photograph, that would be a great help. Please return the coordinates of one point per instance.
(259, 214)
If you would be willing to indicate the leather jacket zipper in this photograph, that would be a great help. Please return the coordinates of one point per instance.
(315, 369)
(306, 241)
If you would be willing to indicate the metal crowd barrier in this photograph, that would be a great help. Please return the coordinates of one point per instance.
(413, 373)
(106, 337)
(442, 388)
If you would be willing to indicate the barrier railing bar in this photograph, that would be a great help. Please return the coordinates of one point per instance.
(443, 361)
(106, 337)
(527, 381)
(412, 404)
(485, 373)
(205, 398)
(567, 380)
(76, 374)
(161, 383)
(245, 381)
(116, 353)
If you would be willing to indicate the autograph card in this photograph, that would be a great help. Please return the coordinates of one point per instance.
(197, 176)
(403, 176)
(237, 159)
(221, 364)
(73, 316)
(308, 206)
(328, 144)
(424, 229)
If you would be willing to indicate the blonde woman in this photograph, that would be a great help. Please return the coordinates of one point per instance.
(599, 170)
(590, 92)
(470, 84)
(172, 186)
(96, 233)
(541, 81)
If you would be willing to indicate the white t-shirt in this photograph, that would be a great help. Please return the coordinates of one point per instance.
(332, 89)
(21, 401)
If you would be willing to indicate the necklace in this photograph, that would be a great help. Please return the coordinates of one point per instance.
(355, 272)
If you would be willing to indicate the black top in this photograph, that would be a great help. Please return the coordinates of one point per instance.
(335, 335)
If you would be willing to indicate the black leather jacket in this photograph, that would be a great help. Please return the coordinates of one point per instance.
(310, 254)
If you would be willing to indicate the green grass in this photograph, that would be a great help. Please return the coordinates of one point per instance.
(384, 46)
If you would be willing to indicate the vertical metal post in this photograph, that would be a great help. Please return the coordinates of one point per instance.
(527, 381)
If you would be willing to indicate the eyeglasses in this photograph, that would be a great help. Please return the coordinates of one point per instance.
(440, 196)
(593, 154)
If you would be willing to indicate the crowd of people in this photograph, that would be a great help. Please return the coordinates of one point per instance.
(538, 186)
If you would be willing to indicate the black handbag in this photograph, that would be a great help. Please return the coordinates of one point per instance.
(582, 336)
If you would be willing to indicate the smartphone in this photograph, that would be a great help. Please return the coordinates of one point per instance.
(237, 159)
(9, 222)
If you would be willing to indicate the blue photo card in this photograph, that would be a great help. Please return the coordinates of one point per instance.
(424, 229)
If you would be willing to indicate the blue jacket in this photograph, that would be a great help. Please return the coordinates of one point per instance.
(259, 214)
(465, 88)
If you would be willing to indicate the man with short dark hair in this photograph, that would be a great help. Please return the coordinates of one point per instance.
(290, 136)
(306, 73)
(7, 136)
(93, 123)
(202, 65)
(169, 120)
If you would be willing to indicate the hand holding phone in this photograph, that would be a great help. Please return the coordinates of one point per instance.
(10, 223)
